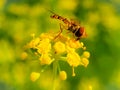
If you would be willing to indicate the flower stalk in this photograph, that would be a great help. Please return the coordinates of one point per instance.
(54, 73)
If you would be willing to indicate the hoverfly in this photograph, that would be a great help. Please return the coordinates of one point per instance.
(70, 25)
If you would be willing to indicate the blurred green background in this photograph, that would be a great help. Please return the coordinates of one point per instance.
(20, 18)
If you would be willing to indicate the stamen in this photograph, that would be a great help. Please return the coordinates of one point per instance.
(73, 71)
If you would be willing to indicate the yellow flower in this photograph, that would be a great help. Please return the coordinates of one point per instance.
(47, 47)
(69, 49)
(47, 36)
(44, 46)
(34, 76)
(59, 47)
(86, 54)
(34, 43)
(74, 44)
(63, 75)
(45, 59)
(73, 59)
(85, 62)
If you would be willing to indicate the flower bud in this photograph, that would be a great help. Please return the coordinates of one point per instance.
(63, 75)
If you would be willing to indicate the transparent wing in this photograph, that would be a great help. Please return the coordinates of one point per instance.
(75, 22)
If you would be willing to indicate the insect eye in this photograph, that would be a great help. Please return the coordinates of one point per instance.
(81, 30)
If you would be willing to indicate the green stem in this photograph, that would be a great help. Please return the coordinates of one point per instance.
(54, 73)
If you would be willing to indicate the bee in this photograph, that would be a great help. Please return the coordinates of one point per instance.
(70, 25)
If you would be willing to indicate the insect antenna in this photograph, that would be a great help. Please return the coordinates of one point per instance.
(50, 11)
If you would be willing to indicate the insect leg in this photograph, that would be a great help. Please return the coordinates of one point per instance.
(77, 34)
(78, 38)
(61, 29)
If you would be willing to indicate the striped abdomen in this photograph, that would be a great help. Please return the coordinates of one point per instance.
(55, 16)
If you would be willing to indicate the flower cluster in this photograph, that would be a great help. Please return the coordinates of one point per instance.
(51, 49)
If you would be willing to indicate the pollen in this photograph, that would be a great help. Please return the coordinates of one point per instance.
(63, 75)
(59, 47)
(34, 76)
